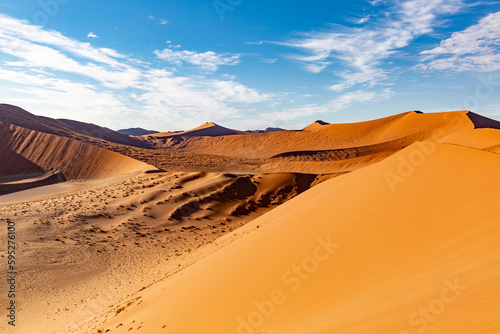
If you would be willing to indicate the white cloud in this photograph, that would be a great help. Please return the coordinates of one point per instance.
(209, 60)
(163, 22)
(151, 17)
(181, 99)
(269, 61)
(49, 73)
(476, 48)
(340, 103)
(20, 29)
(36, 55)
(65, 98)
(364, 49)
(92, 35)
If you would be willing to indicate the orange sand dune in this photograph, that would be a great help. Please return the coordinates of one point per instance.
(475, 138)
(41, 152)
(408, 245)
(87, 245)
(209, 129)
(89, 133)
(400, 130)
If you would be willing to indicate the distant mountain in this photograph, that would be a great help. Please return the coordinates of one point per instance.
(137, 132)
(270, 129)
(273, 129)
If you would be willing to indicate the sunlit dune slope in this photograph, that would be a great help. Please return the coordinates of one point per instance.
(408, 245)
(393, 133)
(36, 152)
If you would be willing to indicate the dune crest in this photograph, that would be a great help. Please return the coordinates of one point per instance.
(41, 152)
(208, 129)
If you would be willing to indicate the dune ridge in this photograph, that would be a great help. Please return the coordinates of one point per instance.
(208, 129)
(85, 132)
(50, 153)
(403, 128)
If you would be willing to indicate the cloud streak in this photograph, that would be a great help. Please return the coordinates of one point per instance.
(209, 60)
(476, 48)
(363, 49)
(55, 72)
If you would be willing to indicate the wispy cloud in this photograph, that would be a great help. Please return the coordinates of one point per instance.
(92, 35)
(55, 72)
(268, 61)
(41, 56)
(16, 30)
(364, 49)
(340, 103)
(209, 60)
(163, 22)
(476, 48)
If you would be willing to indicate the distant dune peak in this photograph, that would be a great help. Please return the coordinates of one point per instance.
(208, 129)
(316, 125)
(206, 125)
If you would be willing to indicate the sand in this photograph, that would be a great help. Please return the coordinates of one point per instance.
(103, 240)
(355, 254)
(75, 160)
(397, 131)
(208, 129)
(384, 226)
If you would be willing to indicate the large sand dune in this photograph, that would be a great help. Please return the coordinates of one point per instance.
(208, 129)
(392, 132)
(34, 152)
(404, 246)
(101, 242)
(89, 133)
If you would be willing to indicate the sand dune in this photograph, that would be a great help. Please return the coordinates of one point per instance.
(104, 240)
(384, 226)
(88, 133)
(402, 129)
(319, 148)
(19, 185)
(380, 250)
(37, 152)
(208, 129)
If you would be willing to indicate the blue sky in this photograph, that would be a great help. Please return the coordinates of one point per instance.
(172, 65)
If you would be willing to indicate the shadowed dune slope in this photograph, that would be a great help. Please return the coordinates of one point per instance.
(81, 131)
(481, 122)
(399, 130)
(408, 245)
(40, 152)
